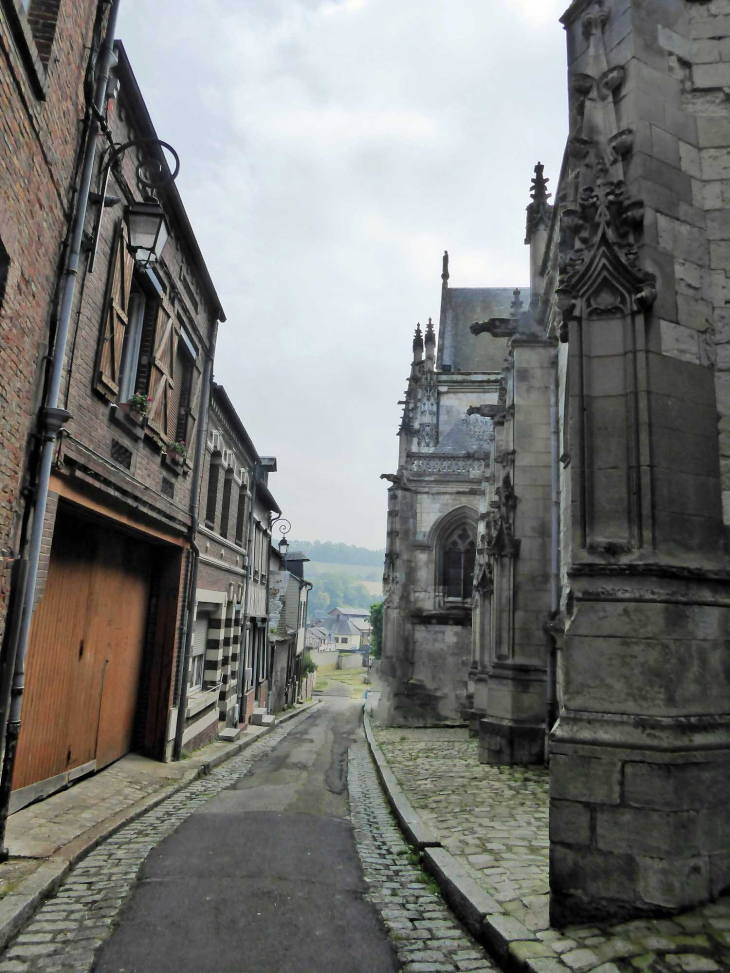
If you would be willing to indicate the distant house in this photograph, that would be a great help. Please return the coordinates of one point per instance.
(289, 591)
(360, 618)
(319, 638)
(345, 634)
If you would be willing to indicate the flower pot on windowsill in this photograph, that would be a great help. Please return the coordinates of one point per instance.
(177, 459)
(134, 415)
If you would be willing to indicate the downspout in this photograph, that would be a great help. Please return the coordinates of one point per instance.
(51, 419)
(269, 650)
(554, 558)
(187, 633)
(244, 623)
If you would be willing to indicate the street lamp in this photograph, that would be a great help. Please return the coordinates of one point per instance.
(148, 230)
(284, 528)
(147, 227)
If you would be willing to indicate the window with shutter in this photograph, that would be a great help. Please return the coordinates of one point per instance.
(212, 501)
(162, 369)
(226, 510)
(241, 515)
(114, 324)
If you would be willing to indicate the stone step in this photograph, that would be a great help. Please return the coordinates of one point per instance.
(260, 717)
(230, 734)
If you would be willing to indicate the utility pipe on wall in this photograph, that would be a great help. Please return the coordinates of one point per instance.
(51, 419)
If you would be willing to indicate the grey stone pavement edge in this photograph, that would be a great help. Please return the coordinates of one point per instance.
(457, 791)
(70, 926)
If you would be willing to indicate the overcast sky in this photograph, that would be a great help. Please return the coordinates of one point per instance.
(331, 151)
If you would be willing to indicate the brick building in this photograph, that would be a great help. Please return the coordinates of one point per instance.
(231, 597)
(45, 51)
(104, 654)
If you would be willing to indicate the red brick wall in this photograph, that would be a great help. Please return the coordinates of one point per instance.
(39, 139)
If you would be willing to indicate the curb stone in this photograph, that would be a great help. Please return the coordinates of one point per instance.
(479, 912)
(419, 835)
(17, 907)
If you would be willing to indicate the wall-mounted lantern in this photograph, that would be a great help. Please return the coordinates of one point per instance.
(148, 230)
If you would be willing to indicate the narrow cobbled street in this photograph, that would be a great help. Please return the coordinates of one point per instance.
(285, 857)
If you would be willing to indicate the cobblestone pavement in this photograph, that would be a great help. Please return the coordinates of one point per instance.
(494, 820)
(68, 929)
(426, 934)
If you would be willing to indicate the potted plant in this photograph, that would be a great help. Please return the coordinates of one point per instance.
(137, 407)
(176, 452)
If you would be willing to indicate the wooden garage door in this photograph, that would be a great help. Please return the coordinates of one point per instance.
(85, 652)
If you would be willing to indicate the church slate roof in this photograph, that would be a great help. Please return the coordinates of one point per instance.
(462, 307)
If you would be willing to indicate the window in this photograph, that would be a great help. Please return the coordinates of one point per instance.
(132, 341)
(4, 269)
(180, 391)
(199, 648)
(457, 564)
(42, 16)
(225, 512)
(212, 502)
(241, 515)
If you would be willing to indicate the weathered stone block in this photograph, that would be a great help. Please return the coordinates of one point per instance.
(713, 130)
(711, 75)
(639, 831)
(694, 312)
(570, 823)
(674, 883)
(590, 879)
(705, 51)
(718, 224)
(719, 874)
(679, 342)
(590, 780)
(665, 146)
(677, 787)
(689, 159)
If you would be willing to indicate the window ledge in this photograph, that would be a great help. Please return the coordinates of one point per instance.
(121, 419)
(199, 700)
(175, 468)
(23, 37)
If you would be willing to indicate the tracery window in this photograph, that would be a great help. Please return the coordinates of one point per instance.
(458, 556)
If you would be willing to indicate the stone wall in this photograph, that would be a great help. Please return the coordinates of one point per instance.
(641, 751)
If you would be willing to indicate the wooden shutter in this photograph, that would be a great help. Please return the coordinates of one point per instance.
(162, 371)
(114, 324)
(193, 404)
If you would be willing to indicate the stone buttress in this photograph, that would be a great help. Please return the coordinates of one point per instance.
(637, 291)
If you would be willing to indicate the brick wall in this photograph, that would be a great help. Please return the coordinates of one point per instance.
(39, 139)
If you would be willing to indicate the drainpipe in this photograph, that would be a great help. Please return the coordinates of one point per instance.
(51, 419)
(187, 633)
(244, 622)
(554, 557)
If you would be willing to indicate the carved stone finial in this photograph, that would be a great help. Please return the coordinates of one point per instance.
(418, 338)
(539, 212)
(445, 271)
(430, 333)
(516, 306)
